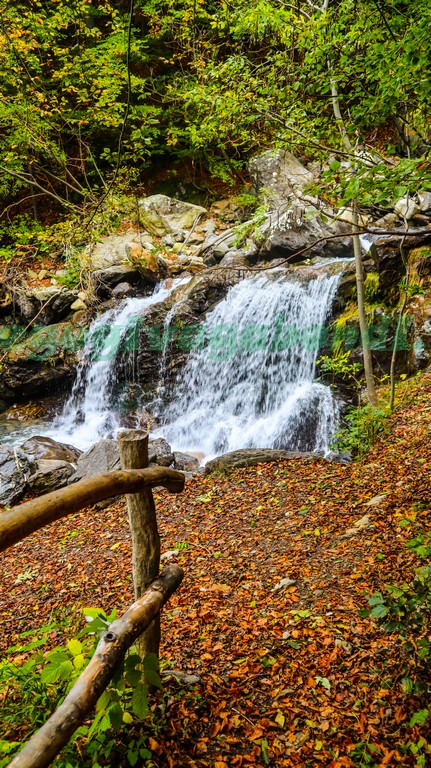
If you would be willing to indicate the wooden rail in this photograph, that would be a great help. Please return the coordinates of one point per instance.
(141, 622)
(21, 521)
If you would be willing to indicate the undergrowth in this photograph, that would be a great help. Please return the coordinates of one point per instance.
(34, 682)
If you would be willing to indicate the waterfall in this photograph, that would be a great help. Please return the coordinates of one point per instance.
(92, 410)
(251, 381)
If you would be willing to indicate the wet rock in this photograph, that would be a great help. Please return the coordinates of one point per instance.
(123, 291)
(49, 475)
(185, 463)
(160, 452)
(107, 279)
(248, 457)
(46, 448)
(101, 457)
(15, 469)
(43, 363)
(192, 301)
(163, 215)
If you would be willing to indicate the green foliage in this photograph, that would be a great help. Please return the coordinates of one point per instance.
(339, 366)
(210, 82)
(362, 428)
(34, 682)
(405, 610)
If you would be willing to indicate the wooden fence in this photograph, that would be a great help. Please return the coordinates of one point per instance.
(141, 622)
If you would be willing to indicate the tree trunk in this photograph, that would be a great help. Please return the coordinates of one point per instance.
(365, 339)
(143, 526)
(41, 749)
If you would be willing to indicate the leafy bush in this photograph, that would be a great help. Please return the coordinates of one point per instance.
(405, 609)
(362, 428)
(34, 682)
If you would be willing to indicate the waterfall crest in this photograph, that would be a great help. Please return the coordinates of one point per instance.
(109, 355)
(251, 382)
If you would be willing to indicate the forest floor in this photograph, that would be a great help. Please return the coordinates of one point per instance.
(290, 674)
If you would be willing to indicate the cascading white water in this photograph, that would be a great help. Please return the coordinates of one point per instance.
(251, 384)
(91, 412)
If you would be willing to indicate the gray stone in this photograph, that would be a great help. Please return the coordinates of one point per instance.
(424, 200)
(78, 305)
(375, 501)
(101, 457)
(123, 291)
(288, 231)
(163, 215)
(278, 175)
(185, 463)
(170, 554)
(49, 449)
(284, 584)
(110, 252)
(160, 452)
(15, 469)
(406, 208)
(249, 457)
(235, 259)
(50, 304)
(107, 279)
(49, 475)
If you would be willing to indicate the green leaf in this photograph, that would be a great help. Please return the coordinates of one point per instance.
(140, 705)
(50, 674)
(115, 714)
(419, 718)
(75, 647)
(379, 611)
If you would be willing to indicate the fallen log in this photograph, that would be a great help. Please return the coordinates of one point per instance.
(21, 521)
(41, 749)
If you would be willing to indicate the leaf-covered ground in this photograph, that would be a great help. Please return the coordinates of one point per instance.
(290, 675)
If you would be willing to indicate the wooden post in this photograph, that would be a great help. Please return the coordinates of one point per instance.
(133, 445)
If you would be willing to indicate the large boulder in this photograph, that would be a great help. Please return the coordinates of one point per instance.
(15, 469)
(109, 252)
(42, 363)
(186, 463)
(163, 215)
(106, 280)
(101, 457)
(278, 175)
(49, 475)
(50, 450)
(160, 452)
(249, 457)
(170, 329)
(145, 261)
(50, 304)
(299, 233)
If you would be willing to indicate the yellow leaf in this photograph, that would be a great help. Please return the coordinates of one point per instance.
(280, 719)
(127, 717)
